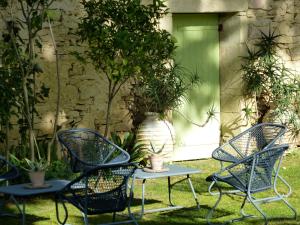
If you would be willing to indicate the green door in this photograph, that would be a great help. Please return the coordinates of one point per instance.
(198, 50)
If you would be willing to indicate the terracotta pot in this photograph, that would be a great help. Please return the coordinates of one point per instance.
(158, 132)
(156, 162)
(37, 178)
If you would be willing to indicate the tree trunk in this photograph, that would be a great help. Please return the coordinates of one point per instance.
(107, 119)
(28, 119)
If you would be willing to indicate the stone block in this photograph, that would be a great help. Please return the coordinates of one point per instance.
(295, 53)
(285, 39)
(260, 4)
(88, 89)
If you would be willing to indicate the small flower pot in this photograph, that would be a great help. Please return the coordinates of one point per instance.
(156, 162)
(37, 178)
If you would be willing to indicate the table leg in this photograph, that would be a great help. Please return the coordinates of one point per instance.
(193, 190)
(21, 210)
(143, 198)
(169, 191)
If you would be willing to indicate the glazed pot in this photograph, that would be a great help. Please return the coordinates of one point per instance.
(159, 132)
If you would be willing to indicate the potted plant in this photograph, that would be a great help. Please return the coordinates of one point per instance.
(160, 84)
(155, 96)
(36, 170)
(156, 157)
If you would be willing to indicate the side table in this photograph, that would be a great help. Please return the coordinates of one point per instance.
(173, 170)
(20, 190)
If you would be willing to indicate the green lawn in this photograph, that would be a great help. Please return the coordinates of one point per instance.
(41, 211)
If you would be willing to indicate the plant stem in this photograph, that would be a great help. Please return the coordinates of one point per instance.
(50, 144)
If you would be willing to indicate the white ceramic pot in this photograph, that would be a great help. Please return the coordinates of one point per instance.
(158, 132)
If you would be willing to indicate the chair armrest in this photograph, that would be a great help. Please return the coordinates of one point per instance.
(245, 161)
(227, 153)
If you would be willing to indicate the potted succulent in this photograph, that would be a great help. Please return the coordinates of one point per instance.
(36, 170)
(156, 157)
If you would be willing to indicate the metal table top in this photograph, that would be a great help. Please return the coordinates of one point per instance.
(174, 170)
(22, 190)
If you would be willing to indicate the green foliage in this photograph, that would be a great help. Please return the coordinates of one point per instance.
(10, 96)
(19, 59)
(29, 165)
(124, 40)
(129, 144)
(59, 169)
(275, 87)
(164, 89)
(10, 84)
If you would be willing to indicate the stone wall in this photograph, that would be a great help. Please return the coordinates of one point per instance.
(83, 90)
(241, 28)
(84, 93)
(282, 16)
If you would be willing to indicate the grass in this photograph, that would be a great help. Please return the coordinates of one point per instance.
(41, 210)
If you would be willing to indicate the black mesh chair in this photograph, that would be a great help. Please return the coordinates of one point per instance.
(257, 138)
(251, 175)
(7, 172)
(86, 149)
(102, 189)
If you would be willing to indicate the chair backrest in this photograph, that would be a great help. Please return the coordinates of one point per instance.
(257, 138)
(7, 170)
(102, 189)
(87, 148)
(256, 173)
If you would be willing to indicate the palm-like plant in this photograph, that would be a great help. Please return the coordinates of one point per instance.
(275, 87)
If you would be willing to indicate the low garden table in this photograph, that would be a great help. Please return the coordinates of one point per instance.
(23, 190)
(172, 170)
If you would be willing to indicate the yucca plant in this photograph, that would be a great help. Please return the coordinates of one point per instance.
(275, 87)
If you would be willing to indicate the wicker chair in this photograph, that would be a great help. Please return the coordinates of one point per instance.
(250, 175)
(257, 138)
(86, 149)
(102, 189)
(7, 172)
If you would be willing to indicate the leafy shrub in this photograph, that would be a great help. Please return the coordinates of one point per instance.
(129, 144)
(275, 87)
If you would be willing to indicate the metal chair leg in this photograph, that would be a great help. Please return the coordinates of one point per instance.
(286, 184)
(258, 209)
(85, 218)
(283, 196)
(210, 213)
(291, 207)
(210, 189)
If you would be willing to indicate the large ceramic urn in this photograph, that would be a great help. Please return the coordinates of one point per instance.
(159, 132)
